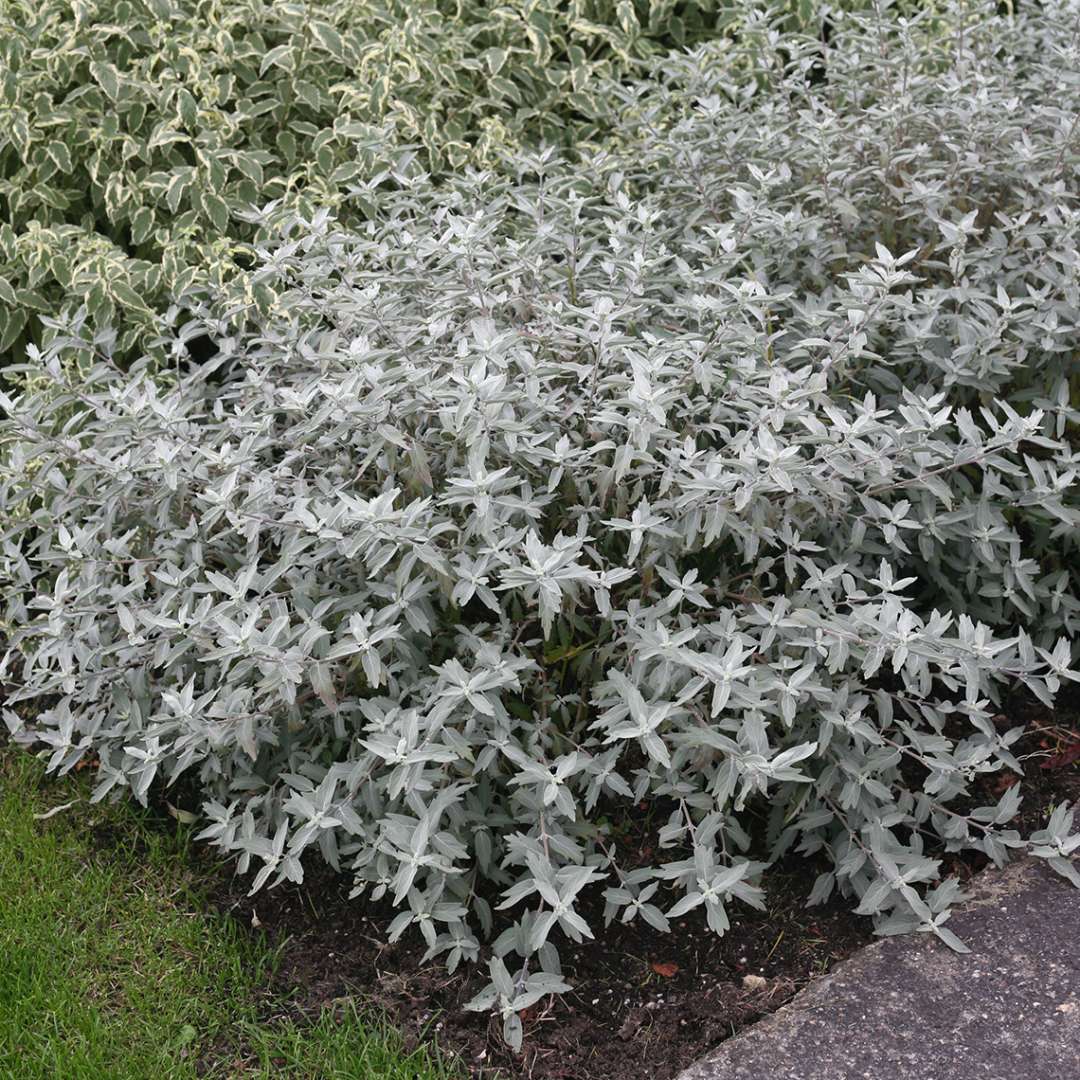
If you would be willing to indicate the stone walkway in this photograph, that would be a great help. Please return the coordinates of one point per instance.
(911, 1009)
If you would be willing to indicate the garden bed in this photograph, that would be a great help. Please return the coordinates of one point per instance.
(644, 1004)
(576, 539)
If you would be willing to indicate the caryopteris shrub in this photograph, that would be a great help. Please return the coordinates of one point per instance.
(132, 131)
(733, 472)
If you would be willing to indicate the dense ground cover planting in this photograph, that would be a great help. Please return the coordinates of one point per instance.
(134, 132)
(728, 469)
(644, 1004)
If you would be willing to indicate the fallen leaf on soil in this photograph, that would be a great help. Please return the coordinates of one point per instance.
(668, 970)
(1066, 757)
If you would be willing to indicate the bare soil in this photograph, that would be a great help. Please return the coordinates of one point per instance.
(645, 1004)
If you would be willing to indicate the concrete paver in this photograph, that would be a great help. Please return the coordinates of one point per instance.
(909, 1008)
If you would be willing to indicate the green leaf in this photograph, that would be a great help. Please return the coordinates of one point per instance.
(281, 56)
(250, 167)
(264, 296)
(189, 110)
(52, 196)
(164, 136)
(8, 242)
(108, 78)
(126, 295)
(380, 91)
(627, 17)
(28, 298)
(286, 144)
(177, 186)
(329, 39)
(60, 269)
(142, 222)
(505, 88)
(14, 321)
(350, 170)
(540, 42)
(60, 155)
(7, 293)
(218, 211)
(307, 92)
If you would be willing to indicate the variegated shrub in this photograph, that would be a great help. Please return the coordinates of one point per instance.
(133, 131)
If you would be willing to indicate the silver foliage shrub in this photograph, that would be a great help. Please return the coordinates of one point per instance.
(732, 471)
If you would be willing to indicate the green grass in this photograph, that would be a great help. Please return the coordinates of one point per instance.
(112, 966)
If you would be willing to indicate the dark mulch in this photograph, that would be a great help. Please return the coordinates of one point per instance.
(1051, 745)
(644, 1004)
